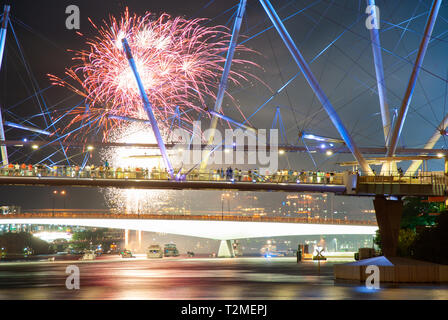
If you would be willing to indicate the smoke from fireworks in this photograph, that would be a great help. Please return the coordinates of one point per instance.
(180, 62)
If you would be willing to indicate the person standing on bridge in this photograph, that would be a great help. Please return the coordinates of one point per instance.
(10, 169)
(106, 168)
(30, 170)
(221, 172)
(87, 169)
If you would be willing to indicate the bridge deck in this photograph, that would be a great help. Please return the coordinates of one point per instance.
(429, 184)
(174, 185)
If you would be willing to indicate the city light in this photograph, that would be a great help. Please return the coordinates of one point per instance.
(35, 146)
(329, 153)
(52, 236)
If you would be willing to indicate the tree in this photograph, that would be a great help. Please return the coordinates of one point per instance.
(432, 243)
(377, 239)
(406, 238)
(416, 213)
(89, 235)
(14, 243)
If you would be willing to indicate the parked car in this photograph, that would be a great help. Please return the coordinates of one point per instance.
(88, 255)
(190, 254)
(127, 254)
(154, 251)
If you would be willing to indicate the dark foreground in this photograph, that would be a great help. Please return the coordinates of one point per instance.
(195, 278)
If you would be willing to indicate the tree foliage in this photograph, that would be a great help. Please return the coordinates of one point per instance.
(417, 213)
(89, 235)
(429, 245)
(14, 243)
(432, 243)
(406, 238)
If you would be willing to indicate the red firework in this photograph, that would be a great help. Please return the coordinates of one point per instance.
(180, 62)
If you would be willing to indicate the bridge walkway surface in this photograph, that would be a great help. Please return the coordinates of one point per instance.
(345, 183)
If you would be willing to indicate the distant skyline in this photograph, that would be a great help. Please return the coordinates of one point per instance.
(270, 203)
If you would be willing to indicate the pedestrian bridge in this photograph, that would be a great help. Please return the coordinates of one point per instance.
(346, 183)
(203, 226)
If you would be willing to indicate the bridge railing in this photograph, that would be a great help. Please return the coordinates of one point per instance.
(282, 176)
(309, 220)
(426, 178)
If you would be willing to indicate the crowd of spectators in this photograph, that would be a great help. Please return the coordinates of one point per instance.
(105, 171)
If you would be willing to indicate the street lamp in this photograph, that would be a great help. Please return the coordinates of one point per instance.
(225, 195)
(55, 193)
(222, 207)
(63, 193)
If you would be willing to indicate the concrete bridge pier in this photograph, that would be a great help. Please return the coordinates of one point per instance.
(139, 237)
(391, 268)
(126, 238)
(388, 216)
(226, 249)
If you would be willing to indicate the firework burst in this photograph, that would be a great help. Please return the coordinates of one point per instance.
(180, 62)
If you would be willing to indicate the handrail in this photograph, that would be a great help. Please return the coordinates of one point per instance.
(421, 179)
(188, 217)
(219, 175)
(235, 175)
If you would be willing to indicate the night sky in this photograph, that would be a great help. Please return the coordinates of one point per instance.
(345, 71)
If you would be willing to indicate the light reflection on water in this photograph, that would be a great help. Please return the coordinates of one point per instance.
(177, 279)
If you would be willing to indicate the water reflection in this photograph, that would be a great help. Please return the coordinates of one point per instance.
(240, 278)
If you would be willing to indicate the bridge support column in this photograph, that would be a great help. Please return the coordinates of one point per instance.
(126, 239)
(139, 237)
(226, 249)
(388, 215)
